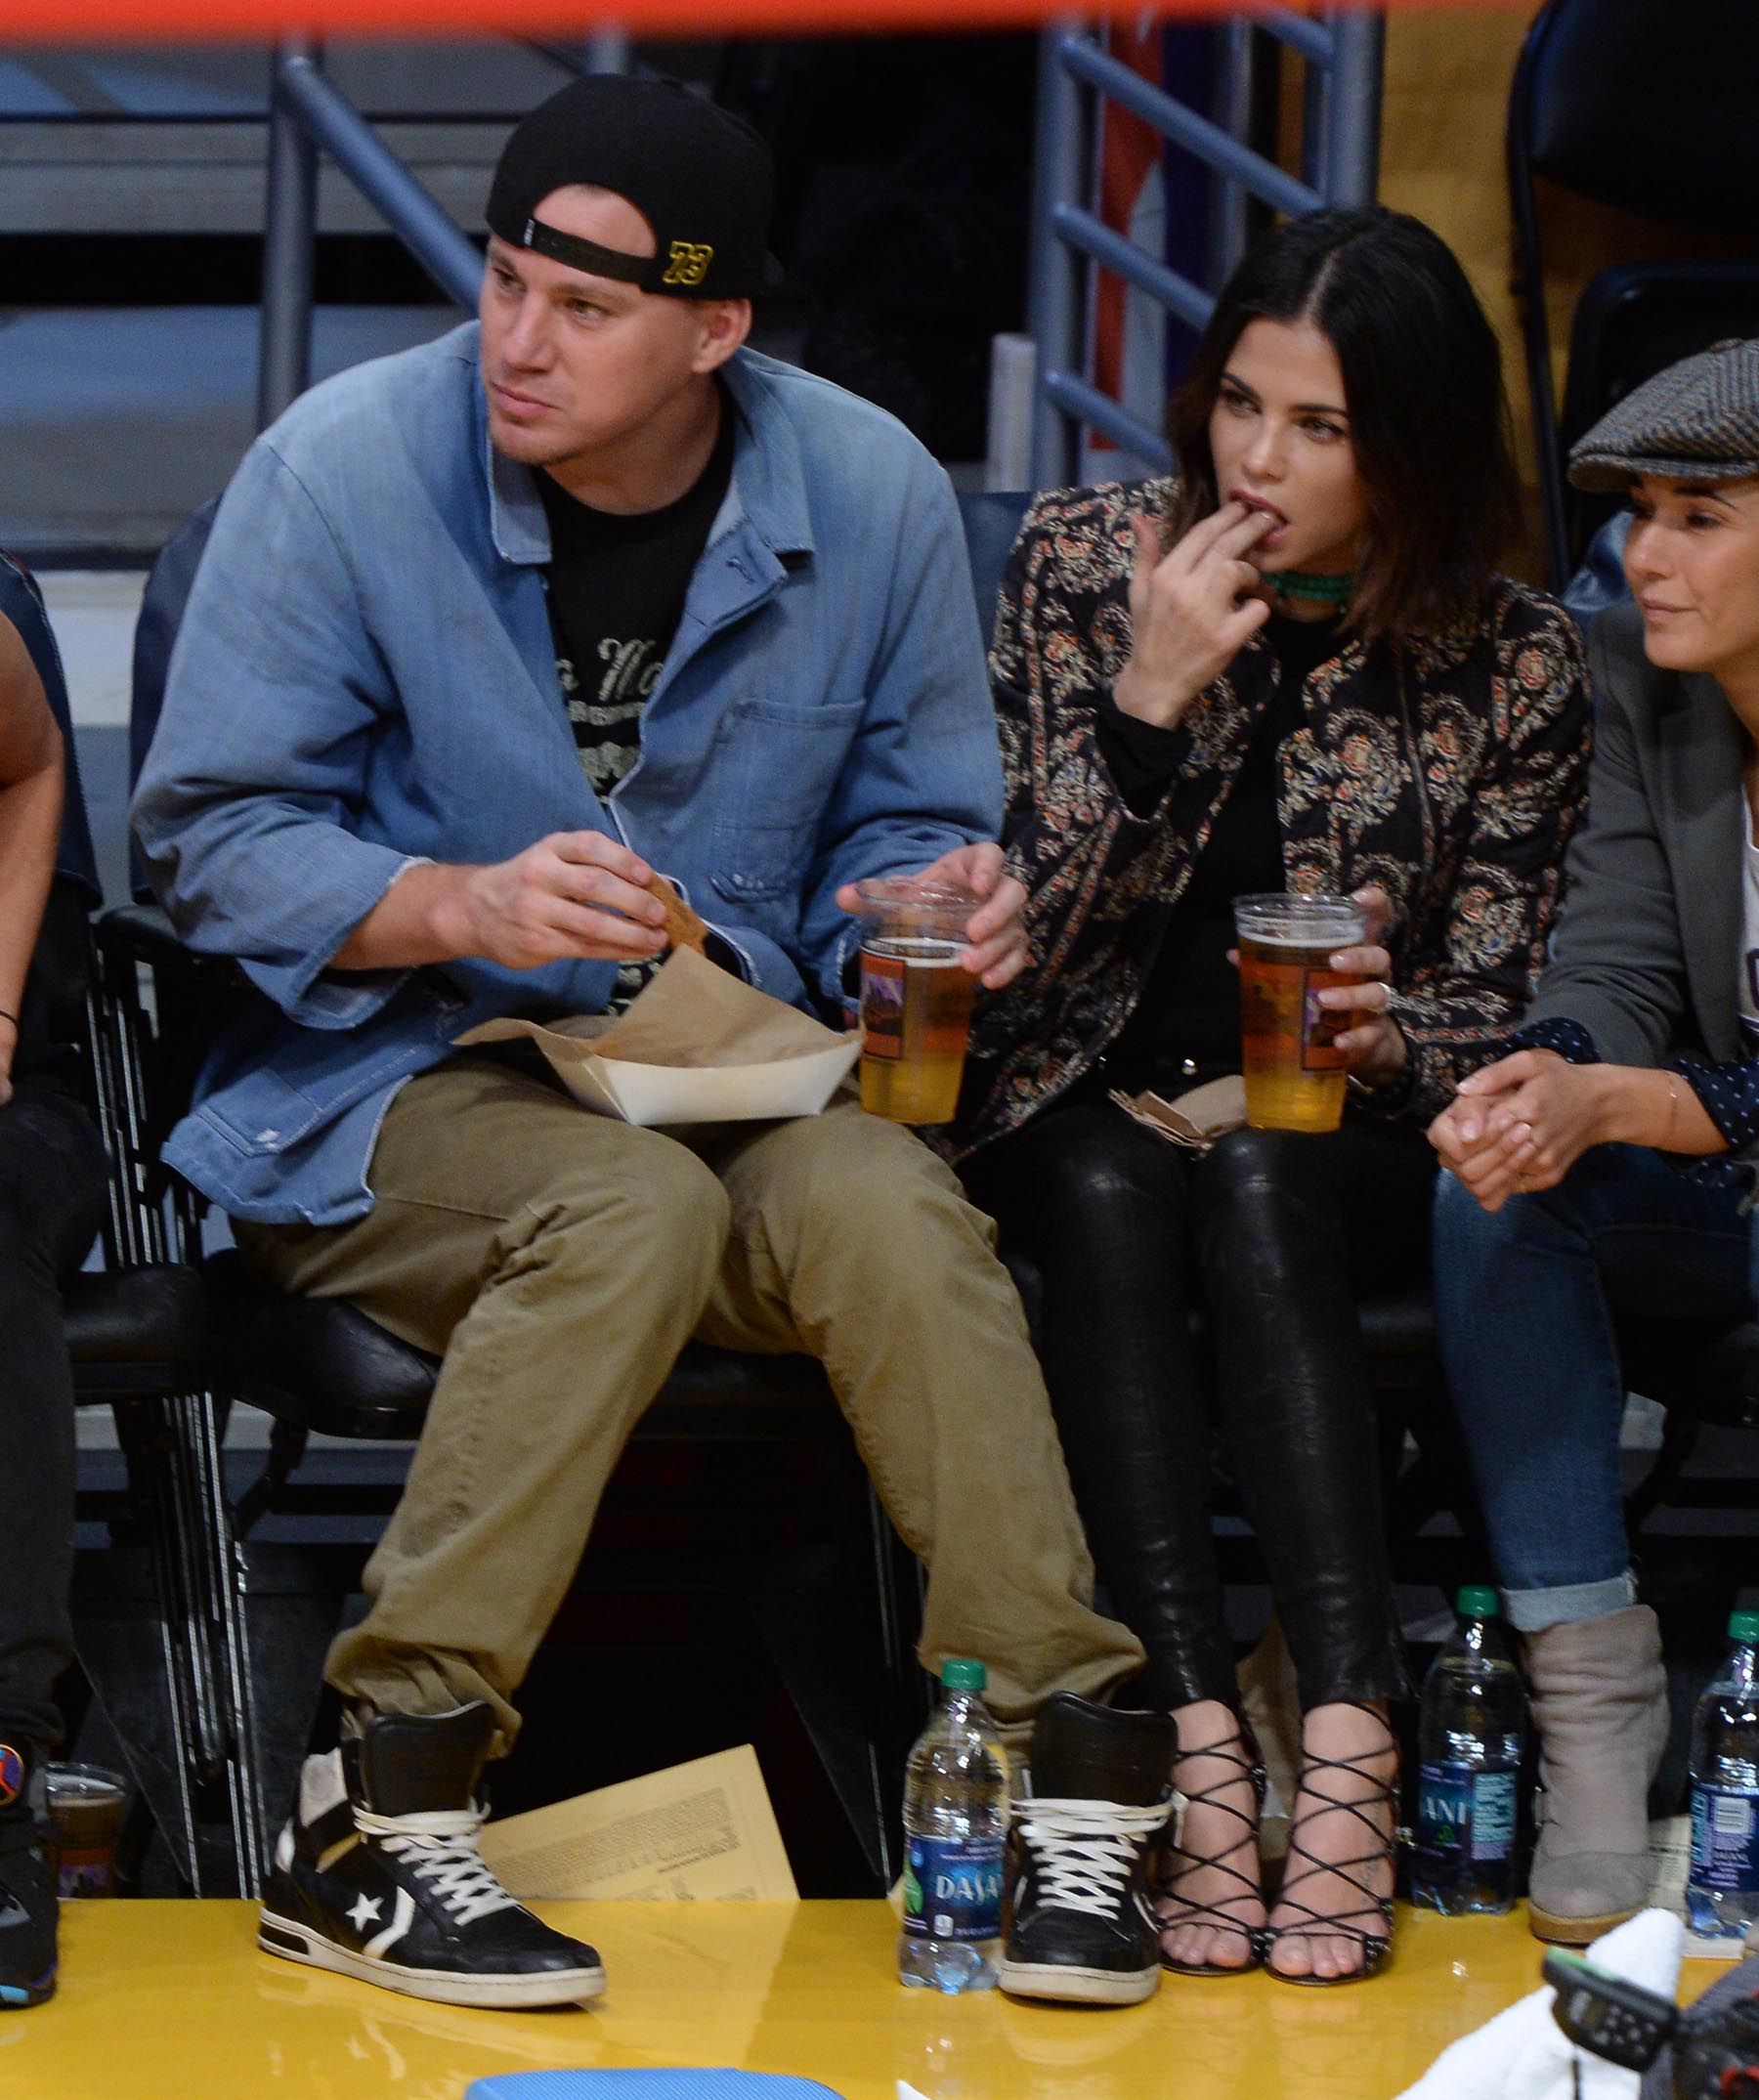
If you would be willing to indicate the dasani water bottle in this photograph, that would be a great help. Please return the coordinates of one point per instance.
(1471, 1732)
(1722, 1887)
(954, 1825)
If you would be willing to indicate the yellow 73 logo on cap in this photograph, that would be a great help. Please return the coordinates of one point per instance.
(689, 264)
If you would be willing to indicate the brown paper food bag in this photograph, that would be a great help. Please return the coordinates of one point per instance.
(1193, 1120)
(696, 1046)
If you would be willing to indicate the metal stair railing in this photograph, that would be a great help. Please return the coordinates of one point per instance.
(308, 115)
(174, 1441)
(1340, 165)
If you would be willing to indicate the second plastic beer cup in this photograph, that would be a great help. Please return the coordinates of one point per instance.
(1295, 1073)
(85, 1804)
(916, 997)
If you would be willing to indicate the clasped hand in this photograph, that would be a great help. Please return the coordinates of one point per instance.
(1517, 1125)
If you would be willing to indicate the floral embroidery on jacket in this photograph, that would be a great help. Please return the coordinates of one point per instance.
(1450, 771)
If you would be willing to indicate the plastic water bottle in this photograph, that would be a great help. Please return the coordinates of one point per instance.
(955, 1825)
(1470, 1732)
(1721, 1886)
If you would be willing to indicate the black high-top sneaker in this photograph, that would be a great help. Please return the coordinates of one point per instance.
(378, 1874)
(1077, 1919)
(28, 1907)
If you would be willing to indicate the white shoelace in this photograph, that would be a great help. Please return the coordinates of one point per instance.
(1085, 1850)
(442, 1847)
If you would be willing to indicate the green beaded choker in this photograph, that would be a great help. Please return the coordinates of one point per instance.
(1323, 589)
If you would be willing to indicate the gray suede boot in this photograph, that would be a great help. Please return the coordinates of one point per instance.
(1600, 1705)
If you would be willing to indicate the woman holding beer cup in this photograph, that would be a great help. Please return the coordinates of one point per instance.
(1606, 1163)
(1292, 667)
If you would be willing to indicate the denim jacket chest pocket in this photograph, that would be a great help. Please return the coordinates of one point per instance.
(776, 767)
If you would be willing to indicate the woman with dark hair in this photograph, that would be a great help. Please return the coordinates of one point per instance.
(1606, 1163)
(1292, 665)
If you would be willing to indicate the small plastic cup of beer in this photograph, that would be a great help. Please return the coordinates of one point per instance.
(916, 997)
(85, 1805)
(1295, 1073)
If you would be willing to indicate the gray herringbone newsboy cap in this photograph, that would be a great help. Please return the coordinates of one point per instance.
(1698, 420)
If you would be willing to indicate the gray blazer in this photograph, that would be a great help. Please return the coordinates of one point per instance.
(1649, 943)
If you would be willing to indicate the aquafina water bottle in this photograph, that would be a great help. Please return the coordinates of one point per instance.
(1471, 1732)
(1722, 1885)
(955, 1827)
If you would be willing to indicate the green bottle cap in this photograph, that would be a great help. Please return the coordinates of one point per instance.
(958, 1673)
(1744, 1625)
(1477, 1601)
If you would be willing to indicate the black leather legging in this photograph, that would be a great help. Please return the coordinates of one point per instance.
(1269, 1232)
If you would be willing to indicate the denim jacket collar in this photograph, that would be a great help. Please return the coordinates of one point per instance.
(767, 493)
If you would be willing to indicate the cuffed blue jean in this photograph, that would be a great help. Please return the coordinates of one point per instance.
(1524, 1307)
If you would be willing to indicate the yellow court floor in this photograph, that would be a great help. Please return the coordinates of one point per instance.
(172, 2001)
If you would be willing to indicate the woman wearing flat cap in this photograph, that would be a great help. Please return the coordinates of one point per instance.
(1606, 1163)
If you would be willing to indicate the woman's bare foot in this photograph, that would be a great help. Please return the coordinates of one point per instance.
(1211, 1906)
(1340, 1844)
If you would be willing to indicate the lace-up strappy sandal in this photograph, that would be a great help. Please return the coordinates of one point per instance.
(1368, 1926)
(1239, 1752)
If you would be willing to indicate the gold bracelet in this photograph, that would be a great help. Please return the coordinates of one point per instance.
(1673, 1103)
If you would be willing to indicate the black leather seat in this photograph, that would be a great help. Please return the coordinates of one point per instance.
(321, 1366)
(138, 1330)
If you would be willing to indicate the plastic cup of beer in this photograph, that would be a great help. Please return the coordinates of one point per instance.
(85, 1805)
(1295, 1073)
(916, 997)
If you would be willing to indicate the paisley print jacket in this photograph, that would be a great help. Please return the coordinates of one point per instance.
(1450, 771)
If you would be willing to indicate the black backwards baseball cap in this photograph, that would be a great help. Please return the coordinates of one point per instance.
(701, 177)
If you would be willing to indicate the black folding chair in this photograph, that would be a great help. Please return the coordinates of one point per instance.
(141, 1342)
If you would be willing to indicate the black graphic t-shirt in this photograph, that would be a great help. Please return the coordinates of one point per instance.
(617, 590)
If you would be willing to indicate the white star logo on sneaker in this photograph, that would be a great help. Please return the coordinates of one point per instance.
(365, 1912)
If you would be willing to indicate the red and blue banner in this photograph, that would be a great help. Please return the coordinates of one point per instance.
(63, 22)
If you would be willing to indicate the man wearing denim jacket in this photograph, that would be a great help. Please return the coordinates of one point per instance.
(486, 633)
